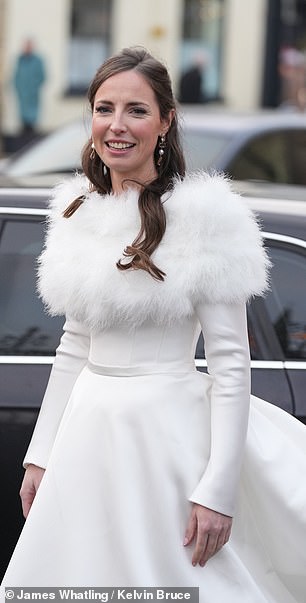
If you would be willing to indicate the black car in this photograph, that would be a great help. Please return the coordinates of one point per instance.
(28, 337)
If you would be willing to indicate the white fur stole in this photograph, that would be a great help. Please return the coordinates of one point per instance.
(211, 252)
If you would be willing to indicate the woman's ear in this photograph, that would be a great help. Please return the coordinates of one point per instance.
(167, 122)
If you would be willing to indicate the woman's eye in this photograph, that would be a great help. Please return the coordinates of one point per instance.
(139, 110)
(101, 109)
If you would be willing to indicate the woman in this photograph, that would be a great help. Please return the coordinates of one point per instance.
(143, 454)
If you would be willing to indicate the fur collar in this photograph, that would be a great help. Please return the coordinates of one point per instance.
(211, 252)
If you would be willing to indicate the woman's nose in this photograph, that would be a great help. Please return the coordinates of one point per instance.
(117, 124)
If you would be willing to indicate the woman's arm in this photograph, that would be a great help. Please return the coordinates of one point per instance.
(71, 357)
(224, 329)
(227, 352)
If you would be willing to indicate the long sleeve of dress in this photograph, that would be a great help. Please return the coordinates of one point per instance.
(224, 329)
(71, 357)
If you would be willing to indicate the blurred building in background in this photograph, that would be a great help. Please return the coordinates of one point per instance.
(239, 49)
(2, 22)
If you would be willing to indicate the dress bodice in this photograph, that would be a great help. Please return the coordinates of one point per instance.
(147, 345)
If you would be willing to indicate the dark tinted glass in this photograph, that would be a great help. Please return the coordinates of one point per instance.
(286, 301)
(24, 327)
(274, 157)
(264, 158)
(296, 156)
(256, 346)
(256, 351)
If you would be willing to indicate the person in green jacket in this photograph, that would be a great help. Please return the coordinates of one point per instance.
(29, 76)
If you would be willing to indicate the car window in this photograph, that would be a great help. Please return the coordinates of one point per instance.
(263, 158)
(275, 157)
(296, 156)
(25, 329)
(59, 151)
(201, 149)
(285, 302)
(257, 351)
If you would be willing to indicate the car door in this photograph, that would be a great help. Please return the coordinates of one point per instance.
(285, 307)
(28, 338)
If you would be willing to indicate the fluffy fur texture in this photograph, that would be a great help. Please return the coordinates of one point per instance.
(211, 252)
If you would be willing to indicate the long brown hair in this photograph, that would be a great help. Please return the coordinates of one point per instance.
(152, 214)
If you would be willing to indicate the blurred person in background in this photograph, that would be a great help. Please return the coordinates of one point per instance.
(29, 76)
(292, 70)
(192, 81)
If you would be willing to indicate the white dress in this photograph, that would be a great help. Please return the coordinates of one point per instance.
(131, 434)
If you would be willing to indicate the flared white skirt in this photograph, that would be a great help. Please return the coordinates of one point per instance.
(113, 506)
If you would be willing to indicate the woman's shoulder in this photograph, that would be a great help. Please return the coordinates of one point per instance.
(66, 191)
(219, 235)
(209, 208)
(209, 196)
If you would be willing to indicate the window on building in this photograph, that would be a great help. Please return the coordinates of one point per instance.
(200, 60)
(89, 43)
(285, 73)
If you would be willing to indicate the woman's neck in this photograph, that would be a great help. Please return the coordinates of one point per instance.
(121, 181)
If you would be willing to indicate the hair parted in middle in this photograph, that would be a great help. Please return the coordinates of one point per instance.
(172, 166)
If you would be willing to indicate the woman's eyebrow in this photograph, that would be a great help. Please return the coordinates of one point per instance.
(129, 104)
(133, 103)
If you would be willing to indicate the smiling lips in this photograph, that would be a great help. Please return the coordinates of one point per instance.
(119, 146)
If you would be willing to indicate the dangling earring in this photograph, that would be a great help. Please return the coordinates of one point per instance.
(93, 152)
(161, 146)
